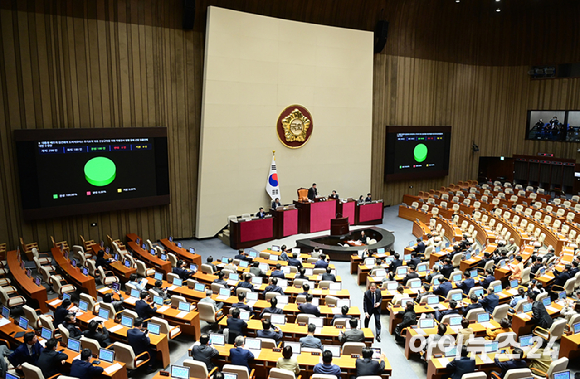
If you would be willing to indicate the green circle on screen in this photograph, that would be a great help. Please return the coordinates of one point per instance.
(100, 171)
(420, 152)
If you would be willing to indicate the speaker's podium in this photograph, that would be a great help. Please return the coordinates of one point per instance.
(314, 216)
(339, 226)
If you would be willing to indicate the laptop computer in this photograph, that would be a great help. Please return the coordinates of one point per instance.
(177, 282)
(158, 276)
(334, 349)
(244, 264)
(23, 323)
(422, 268)
(455, 320)
(135, 293)
(478, 292)
(497, 289)
(106, 355)
(229, 375)
(547, 301)
(127, 321)
(514, 283)
(83, 306)
(483, 317)
(526, 307)
(179, 372)
(402, 271)
(318, 322)
(296, 347)
(369, 262)
(562, 374)
(341, 302)
(154, 328)
(251, 296)
(282, 301)
(253, 344)
(426, 323)
(456, 277)
(46, 333)
(74, 345)
(257, 280)
(158, 300)
(245, 315)
(253, 254)
(217, 339)
(576, 328)
(457, 296)
(415, 284)
(199, 287)
(278, 319)
(473, 273)
(191, 250)
(273, 257)
(491, 347)
(183, 306)
(526, 340)
(275, 248)
(380, 273)
(224, 294)
(335, 286)
(65, 296)
(103, 313)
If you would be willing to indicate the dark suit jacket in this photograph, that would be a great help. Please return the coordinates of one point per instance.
(420, 248)
(275, 205)
(470, 307)
(144, 310)
(368, 305)
(277, 311)
(309, 308)
(327, 276)
(561, 278)
(242, 357)
(409, 318)
(138, 341)
(312, 193)
(102, 338)
(509, 365)
(73, 331)
(369, 366)
(410, 275)
(276, 335)
(261, 214)
(49, 362)
(489, 302)
(294, 262)
(59, 314)
(446, 270)
(461, 366)
(273, 288)
(320, 264)
(443, 289)
(368, 199)
(487, 281)
(246, 285)
(352, 335)
(466, 285)
(84, 369)
(204, 353)
(394, 264)
(277, 274)
(540, 316)
(237, 326)
(243, 306)
(183, 273)
(21, 355)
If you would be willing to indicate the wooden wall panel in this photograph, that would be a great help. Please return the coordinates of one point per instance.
(89, 72)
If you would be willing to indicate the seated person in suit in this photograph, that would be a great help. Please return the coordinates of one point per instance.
(367, 366)
(159, 291)
(423, 293)
(447, 268)
(239, 355)
(276, 203)
(420, 248)
(243, 256)
(209, 262)
(28, 352)
(269, 331)
(467, 283)
(415, 258)
(181, 270)
(101, 261)
(272, 308)
(321, 262)
(140, 342)
(237, 326)
(137, 284)
(117, 304)
(294, 261)
(241, 304)
(434, 272)
(327, 367)
(283, 253)
(247, 283)
(310, 341)
(308, 307)
(142, 307)
(60, 312)
(486, 258)
(353, 334)
(51, 361)
(101, 337)
(343, 314)
(70, 323)
(474, 304)
(328, 275)
(443, 288)
(409, 318)
(369, 198)
(333, 195)
(312, 192)
(515, 362)
(450, 311)
(220, 279)
(83, 368)
(506, 327)
(488, 279)
(273, 287)
(305, 289)
(261, 213)
(204, 352)
(540, 316)
(395, 263)
(301, 274)
(410, 275)
(520, 296)
(277, 272)
(490, 301)
(463, 365)
(288, 362)
(256, 270)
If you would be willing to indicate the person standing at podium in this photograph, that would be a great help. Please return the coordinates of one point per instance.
(368, 198)
(312, 192)
(276, 203)
(333, 195)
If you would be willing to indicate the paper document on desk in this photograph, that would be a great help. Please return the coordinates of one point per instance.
(485, 358)
(182, 314)
(97, 318)
(77, 357)
(171, 288)
(332, 292)
(457, 328)
(103, 290)
(163, 308)
(4, 321)
(317, 291)
(55, 302)
(336, 311)
(222, 297)
(487, 325)
(131, 300)
(513, 291)
(551, 309)
(251, 303)
(443, 362)
(112, 368)
(42, 343)
(420, 331)
(115, 328)
(501, 294)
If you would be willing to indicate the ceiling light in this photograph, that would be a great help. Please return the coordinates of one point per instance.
(498, 10)
(497, 1)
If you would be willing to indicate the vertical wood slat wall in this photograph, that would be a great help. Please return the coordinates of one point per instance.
(127, 63)
(483, 104)
(70, 72)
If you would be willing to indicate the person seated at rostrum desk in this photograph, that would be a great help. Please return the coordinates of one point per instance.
(308, 307)
(353, 334)
(490, 301)
(474, 304)
(328, 275)
(467, 283)
(277, 272)
(181, 270)
(294, 261)
(276, 203)
(142, 307)
(261, 213)
(369, 198)
(488, 279)
(310, 341)
(273, 287)
(333, 195)
(443, 288)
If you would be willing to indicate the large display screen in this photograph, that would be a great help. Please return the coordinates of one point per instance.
(65, 172)
(417, 152)
(553, 125)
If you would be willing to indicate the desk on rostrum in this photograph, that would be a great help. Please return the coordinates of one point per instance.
(315, 217)
(26, 283)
